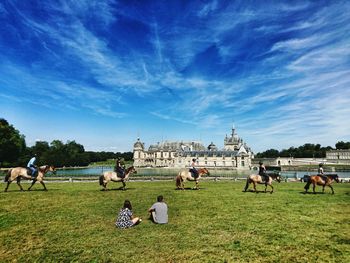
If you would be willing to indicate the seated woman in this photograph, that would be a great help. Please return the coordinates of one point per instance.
(125, 218)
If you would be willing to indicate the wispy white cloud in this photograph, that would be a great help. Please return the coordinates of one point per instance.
(273, 76)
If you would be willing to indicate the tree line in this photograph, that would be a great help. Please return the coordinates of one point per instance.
(308, 150)
(14, 151)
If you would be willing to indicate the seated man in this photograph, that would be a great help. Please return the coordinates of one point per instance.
(159, 211)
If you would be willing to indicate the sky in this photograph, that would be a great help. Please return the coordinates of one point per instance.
(105, 72)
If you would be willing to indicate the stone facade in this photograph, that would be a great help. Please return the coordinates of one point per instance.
(236, 154)
(338, 156)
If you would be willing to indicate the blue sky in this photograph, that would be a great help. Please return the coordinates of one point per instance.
(103, 73)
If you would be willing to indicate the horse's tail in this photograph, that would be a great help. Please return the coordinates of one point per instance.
(178, 181)
(7, 176)
(247, 184)
(307, 186)
(101, 179)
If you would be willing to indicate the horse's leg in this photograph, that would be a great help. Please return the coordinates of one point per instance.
(271, 188)
(34, 180)
(7, 186)
(323, 188)
(246, 186)
(42, 182)
(332, 189)
(124, 185)
(313, 187)
(254, 185)
(19, 183)
(197, 185)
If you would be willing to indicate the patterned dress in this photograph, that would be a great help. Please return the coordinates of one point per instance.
(124, 218)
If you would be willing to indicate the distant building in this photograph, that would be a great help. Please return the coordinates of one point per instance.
(338, 156)
(236, 154)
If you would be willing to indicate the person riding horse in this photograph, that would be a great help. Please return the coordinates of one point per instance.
(32, 167)
(193, 169)
(119, 168)
(320, 172)
(262, 172)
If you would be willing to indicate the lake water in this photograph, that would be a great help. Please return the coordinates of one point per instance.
(95, 171)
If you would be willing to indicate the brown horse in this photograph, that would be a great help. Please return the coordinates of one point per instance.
(257, 179)
(112, 176)
(20, 172)
(187, 175)
(327, 180)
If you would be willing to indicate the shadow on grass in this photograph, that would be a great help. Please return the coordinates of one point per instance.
(32, 190)
(190, 188)
(312, 193)
(257, 192)
(118, 189)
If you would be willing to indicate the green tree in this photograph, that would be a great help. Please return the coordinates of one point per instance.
(342, 145)
(12, 144)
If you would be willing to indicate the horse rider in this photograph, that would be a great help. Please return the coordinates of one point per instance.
(31, 165)
(262, 172)
(193, 169)
(320, 172)
(119, 168)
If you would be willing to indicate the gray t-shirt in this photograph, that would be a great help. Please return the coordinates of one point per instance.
(161, 212)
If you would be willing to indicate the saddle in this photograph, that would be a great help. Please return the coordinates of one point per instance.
(30, 172)
(194, 174)
(265, 178)
(120, 174)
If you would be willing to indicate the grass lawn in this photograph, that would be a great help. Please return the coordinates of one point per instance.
(219, 223)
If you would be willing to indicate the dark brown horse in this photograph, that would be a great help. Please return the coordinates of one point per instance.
(325, 180)
(257, 179)
(21, 172)
(185, 174)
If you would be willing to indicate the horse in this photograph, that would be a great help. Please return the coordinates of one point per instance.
(318, 180)
(184, 175)
(112, 176)
(257, 179)
(21, 172)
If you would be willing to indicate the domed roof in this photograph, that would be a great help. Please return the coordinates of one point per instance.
(138, 144)
(212, 147)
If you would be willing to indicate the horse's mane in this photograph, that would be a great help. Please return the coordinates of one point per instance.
(43, 168)
(273, 175)
(333, 176)
(129, 169)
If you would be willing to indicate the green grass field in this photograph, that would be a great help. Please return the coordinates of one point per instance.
(219, 223)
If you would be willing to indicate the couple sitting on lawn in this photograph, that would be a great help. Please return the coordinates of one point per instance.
(158, 214)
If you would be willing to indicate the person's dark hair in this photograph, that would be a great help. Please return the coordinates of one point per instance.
(193, 160)
(260, 162)
(127, 204)
(160, 198)
(321, 164)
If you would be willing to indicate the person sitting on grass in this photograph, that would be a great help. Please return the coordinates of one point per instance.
(159, 211)
(125, 218)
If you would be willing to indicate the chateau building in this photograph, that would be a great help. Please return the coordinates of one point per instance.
(236, 154)
(338, 156)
